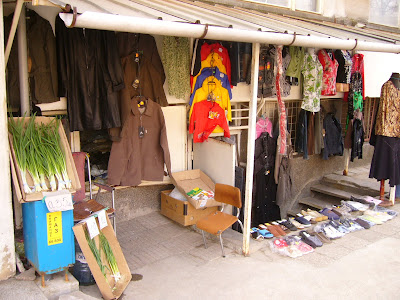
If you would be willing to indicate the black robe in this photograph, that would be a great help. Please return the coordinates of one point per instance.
(90, 76)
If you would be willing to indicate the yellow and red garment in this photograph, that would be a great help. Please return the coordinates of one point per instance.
(207, 116)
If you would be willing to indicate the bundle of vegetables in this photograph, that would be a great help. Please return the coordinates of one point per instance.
(20, 143)
(105, 245)
(38, 150)
(96, 253)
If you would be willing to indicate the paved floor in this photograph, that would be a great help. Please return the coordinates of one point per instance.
(175, 265)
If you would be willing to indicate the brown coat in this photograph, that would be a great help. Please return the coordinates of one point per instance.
(133, 159)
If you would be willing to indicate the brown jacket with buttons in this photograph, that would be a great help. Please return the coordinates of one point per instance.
(133, 159)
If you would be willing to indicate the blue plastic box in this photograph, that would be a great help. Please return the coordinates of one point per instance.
(48, 237)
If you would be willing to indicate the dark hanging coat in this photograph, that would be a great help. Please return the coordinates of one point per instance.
(333, 140)
(90, 76)
(12, 71)
(42, 53)
(147, 68)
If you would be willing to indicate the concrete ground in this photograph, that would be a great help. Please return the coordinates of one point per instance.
(175, 265)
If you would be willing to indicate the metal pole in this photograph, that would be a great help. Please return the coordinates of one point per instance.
(112, 22)
(23, 65)
(251, 137)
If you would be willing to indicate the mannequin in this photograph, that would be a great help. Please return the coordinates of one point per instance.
(395, 78)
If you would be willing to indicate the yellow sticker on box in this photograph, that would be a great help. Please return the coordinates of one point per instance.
(54, 228)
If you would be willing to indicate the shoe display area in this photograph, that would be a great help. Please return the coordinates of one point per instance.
(306, 231)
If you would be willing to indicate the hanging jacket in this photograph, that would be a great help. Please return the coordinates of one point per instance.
(333, 140)
(42, 53)
(357, 140)
(90, 76)
(301, 134)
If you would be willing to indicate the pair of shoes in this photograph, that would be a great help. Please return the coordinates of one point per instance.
(354, 205)
(283, 227)
(390, 212)
(341, 210)
(305, 220)
(379, 215)
(372, 219)
(367, 224)
(350, 224)
(331, 232)
(309, 239)
(316, 213)
(288, 224)
(276, 230)
(336, 224)
(321, 235)
(329, 213)
(314, 217)
(263, 233)
(255, 234)
(295, 223)
(296, 247)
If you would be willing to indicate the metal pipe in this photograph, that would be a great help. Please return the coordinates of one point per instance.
(17, 12)
(251, 137)
(23, 65)
(112, 22)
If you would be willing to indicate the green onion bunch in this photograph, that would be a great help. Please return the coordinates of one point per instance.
(105, 245)
(38, 150)
(20, 144)
(96, 253)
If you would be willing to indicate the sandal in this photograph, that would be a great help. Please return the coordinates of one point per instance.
(311, 240)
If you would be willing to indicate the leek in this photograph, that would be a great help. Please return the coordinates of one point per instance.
(105, 245)
(20, 143)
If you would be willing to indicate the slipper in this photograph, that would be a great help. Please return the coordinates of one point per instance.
(311, 240)
(364, 223)
(329, 213)
(265, 233)
(283, 227)
(312, 216)
(321, 235)
(255, 234)
(317, 214)
(288, 224)
(297, 224)
(275, 230)
(280, 243)
(301, 219)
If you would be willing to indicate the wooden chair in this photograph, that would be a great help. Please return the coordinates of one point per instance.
(217, 222)
(83, 207)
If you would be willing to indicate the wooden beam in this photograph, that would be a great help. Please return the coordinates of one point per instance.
(13, 29)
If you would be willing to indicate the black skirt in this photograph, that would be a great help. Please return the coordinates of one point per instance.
(385, 162)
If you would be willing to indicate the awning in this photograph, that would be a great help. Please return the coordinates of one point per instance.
(197, 19)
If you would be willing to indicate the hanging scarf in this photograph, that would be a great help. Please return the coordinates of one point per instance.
(281, 103)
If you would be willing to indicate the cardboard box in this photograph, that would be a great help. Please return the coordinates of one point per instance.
(186, 181)
(16, 172)
(106, 286)
(182, 211)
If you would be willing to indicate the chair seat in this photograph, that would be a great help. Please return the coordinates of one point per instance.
(82, 210)
(216, 222)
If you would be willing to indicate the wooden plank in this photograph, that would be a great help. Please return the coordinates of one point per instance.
(318, 203)
(327, 190)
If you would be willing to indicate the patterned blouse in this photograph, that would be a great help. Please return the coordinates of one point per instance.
(312, 84)
(330, 66)
(388, 117)
(345, 63)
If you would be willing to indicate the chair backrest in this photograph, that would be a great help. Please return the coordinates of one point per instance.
(228, 194)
